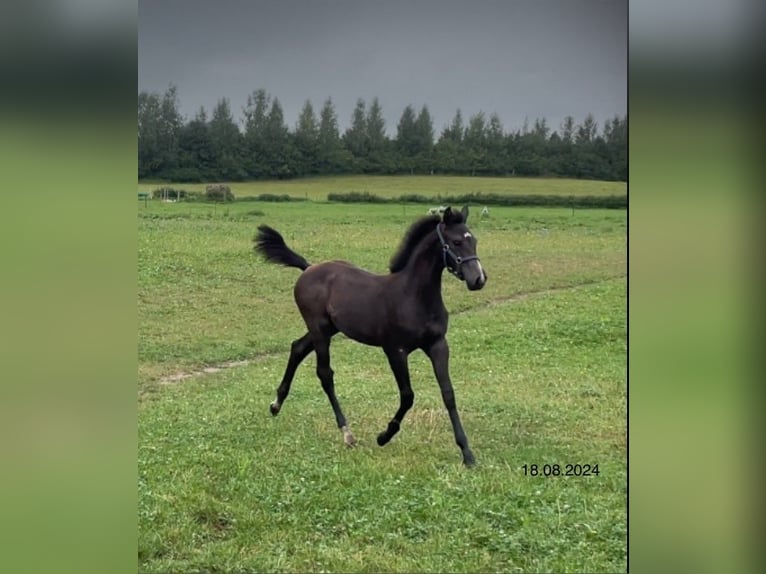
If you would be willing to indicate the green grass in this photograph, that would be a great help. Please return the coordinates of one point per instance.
(538, 365)
(317, 188)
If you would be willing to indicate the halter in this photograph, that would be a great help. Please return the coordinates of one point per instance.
(447, 252)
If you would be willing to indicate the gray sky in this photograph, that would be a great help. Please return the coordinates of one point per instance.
(517, 58)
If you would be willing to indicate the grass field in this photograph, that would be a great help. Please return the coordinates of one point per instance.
(539, 369)
(317, 188)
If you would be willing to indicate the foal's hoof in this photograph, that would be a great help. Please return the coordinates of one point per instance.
(274, 408)
(388, 434)
(468, 459)
(348, 438)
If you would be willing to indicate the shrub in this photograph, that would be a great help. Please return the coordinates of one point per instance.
(415, 198)
(356, 197)
(271, 197)
(579, 201)
(194, 196)
(274, 197)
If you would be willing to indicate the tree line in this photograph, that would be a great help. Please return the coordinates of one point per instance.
(216, 149)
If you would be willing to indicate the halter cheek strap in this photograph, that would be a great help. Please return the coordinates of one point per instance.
(451, 257)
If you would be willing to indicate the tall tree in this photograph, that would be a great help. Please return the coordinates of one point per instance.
(424, 133)
(226, 143)
(495, 145)
(615, 130)
(537, 160)
(332, 156)
(583, 157)
(449, 156)
(476, 144)
(456, 130)
(171, 121)
(567, 130)
(355, 138)
(279, 150)
(586, 132)
(541, 129)
(529, 159)
(159, 127)
(565, 160)
(149, 141)
(616, 141)
(379, 159)
(406, 140)
(195, 153)
(587, 162)
(376, 126)
(256, 113)
(307, 141)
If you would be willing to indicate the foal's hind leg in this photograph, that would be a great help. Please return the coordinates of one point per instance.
(299, 350)
(397, 358)
(325, 374)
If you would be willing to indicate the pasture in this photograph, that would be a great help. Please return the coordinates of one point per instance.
(538, 363)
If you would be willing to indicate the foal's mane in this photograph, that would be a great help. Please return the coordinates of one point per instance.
(414, 235)
(410, 241)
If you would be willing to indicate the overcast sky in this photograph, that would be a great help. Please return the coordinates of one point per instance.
(520, 59)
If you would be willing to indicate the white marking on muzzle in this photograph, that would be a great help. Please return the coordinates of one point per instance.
(481, 270)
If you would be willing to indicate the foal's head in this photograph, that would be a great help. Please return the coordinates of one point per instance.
(459, 248)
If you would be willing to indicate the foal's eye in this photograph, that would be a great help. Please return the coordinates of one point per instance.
(457, 243)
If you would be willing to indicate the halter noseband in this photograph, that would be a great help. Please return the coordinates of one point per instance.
(456, 259)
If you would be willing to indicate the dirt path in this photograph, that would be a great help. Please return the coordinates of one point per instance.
(182, 375)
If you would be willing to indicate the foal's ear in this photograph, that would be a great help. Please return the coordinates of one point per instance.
(449, 216)
(464, 211)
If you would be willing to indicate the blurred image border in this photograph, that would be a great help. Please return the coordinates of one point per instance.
(69, 292)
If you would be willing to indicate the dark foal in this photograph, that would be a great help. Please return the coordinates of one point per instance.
(400, 312)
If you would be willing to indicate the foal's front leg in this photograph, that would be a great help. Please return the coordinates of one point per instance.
(397, 358)
(438, 352)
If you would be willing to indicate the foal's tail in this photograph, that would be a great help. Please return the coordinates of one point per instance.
(271, 245)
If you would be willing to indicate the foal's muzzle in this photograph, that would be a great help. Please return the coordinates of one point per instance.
(474, 282)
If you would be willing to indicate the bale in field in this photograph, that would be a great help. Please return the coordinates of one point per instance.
(218, 192)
